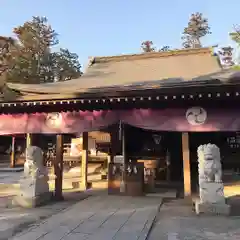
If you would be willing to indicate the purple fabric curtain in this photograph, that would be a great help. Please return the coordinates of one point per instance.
(65, 122)
(183, 120)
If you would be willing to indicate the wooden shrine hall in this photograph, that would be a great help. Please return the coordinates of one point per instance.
(183, 91)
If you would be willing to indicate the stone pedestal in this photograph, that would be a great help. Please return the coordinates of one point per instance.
(33, 193)
(212, 200)
(32, 202)
(34, 188)
(212, 208)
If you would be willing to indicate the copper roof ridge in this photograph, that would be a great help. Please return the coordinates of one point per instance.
(177, 52)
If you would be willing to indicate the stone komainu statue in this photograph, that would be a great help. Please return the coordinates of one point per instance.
(34, 188)
(209, 163)
(211, 190)
(33, 166)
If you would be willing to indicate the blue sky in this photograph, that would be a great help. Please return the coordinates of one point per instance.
(105, 27)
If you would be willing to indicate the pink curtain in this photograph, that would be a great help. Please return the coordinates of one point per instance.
(65, 122)
(85, 121)
(176, 120)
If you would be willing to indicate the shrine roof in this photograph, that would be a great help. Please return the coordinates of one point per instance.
(130, 72)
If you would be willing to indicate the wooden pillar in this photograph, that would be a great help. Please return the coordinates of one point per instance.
(58, 168)
(28, 140)
(13, 156)
(115, 142)
(123, 141)
(124, 145)
(84, 168)
(186, 165)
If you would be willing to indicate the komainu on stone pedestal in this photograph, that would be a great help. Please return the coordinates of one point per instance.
(211, 188)
(34, 188)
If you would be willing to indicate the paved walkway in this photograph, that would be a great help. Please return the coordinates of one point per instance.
(99, 217)
(14, 220)
(177, 221)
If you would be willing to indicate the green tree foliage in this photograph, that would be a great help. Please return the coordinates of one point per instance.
(66, 65)
(164, 49)
(5, 44)
(197, 28)
(34, 61)
(147, 46)
(235, 36)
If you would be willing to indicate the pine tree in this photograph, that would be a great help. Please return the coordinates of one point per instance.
(66, 65)
(197, 28)
(35, 39)
(34, 61)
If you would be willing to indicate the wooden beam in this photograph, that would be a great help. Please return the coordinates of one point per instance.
(186, 165)
(84, 180)
(13, 155)
(58, 168)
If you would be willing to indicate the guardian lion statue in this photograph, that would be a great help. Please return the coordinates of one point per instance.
(209, 163)
(211, 190)
(34, 188)
(33, 166)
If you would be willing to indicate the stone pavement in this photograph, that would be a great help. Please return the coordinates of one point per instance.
(177, 221)
(99, 217)
(14, 220)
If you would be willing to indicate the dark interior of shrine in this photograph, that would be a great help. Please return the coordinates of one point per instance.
(167, 146)
(229, 144)
(164, 147)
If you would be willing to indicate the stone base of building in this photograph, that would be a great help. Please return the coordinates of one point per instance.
(33, 202)
(212, 208)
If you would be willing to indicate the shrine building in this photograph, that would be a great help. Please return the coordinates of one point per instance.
(157, 107)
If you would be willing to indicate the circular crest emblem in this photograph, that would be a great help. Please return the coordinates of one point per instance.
(196, 116)
(54, 120)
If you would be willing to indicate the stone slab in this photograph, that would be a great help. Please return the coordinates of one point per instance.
(212, 208)
(88, 227)
(166, 194)
(110, 218)
(76, 236)
(17, 169)
(149, 224)
(57, 233)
